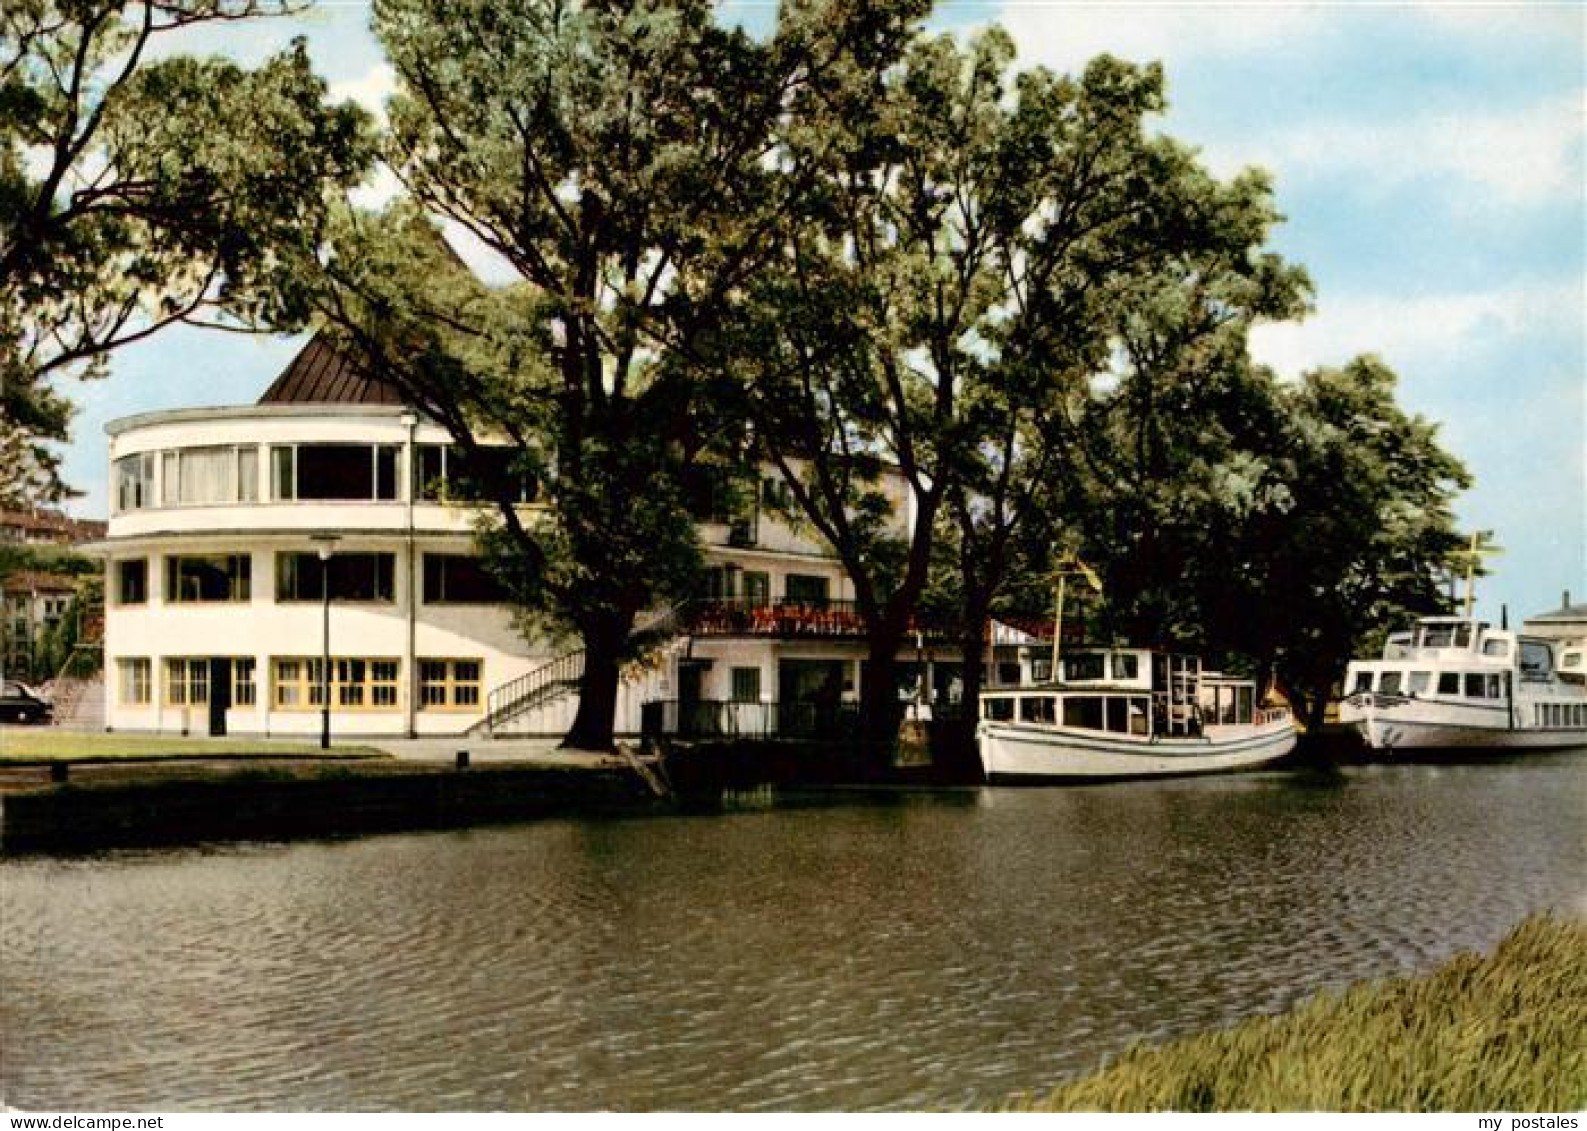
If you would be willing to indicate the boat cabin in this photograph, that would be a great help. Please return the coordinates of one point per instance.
(1128, 691)
(1459, 658)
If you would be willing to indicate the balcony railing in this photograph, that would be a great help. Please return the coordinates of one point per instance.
(715, 718)
(788, 617)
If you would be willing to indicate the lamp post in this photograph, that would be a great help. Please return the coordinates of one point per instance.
(325, 544)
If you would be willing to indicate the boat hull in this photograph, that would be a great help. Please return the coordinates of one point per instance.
(1015, 754)
(1389, 724)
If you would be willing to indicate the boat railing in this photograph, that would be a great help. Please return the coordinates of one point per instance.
(1266, 716)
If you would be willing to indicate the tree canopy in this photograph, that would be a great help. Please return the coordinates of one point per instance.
(619, 157)
(135, 194)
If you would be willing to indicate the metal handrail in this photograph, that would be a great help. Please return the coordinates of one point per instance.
(788, 616)
(554, 679)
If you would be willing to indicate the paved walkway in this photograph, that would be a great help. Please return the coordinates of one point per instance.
(486, 751)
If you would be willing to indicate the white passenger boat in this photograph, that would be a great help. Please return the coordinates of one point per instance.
(1454, 683)
(1128, 712)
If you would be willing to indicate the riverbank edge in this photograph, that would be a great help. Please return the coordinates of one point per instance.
(1496, 1032)
(184, 802)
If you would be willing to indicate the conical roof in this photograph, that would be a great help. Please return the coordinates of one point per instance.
(322, 374)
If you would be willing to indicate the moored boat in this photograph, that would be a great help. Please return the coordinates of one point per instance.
(1128, 712)
(1456, 683)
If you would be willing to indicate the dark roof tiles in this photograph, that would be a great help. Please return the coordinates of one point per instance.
(321, 374)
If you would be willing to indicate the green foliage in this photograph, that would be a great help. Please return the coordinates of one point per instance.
(977, 246)
(136, 194)
(614, 155)
(1495, 1033)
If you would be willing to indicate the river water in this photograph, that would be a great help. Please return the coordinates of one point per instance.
(879, 950)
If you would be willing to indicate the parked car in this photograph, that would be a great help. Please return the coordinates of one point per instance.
(19, 703)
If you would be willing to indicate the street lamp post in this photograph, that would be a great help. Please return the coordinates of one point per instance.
(326, 544)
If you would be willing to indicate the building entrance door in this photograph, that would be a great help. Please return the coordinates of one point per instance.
(219, 693)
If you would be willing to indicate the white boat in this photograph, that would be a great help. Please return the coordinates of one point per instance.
(1454, 683)
(1128, 712)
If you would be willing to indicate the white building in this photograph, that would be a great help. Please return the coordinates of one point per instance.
(226, 522)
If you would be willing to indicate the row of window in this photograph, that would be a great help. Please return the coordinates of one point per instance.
(297, 683)
(751, 586)
(229, 473)
(1472, 685)
(448, 578)
(1561, 715)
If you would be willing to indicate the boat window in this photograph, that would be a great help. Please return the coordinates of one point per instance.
(1243, 703)
(1087, 665)
(1495, 686)
(1500, 648)
(1363, 681)
(1228, 706)
(1390, 683)
(1537, 660)
(1126, 665)
(1462, 636)
(1476, 686)
(1438, 635)
(1420, 682)
(1036, 708)
(1449, 683)
(1008, 674)
(999, 710)
(1040, 670)
(1083, 711)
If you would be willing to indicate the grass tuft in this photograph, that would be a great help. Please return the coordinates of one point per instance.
(1496, 1033)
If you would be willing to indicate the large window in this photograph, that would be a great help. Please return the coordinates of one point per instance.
(133, 681)
(352, 577)
(334, 471)
(134, 479)
(746, 685)
(449, 685)
(806, 587)
(457, 579)
(191, 476)
(208, 577)
(446, 473)
(357, 683)
(132, 581)
(187, 681)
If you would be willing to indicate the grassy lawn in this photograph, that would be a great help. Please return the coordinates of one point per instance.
(43, 744)
(1502, 1032)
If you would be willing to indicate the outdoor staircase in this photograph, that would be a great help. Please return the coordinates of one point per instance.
(79, 703)
(548, 685)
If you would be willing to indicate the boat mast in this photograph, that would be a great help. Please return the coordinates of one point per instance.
(1473, 557)
(1068, 565)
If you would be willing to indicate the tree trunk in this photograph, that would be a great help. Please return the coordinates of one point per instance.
(594, 723)
(880, 709)
(972, 649)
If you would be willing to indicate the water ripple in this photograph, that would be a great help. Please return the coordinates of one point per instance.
(937, 951)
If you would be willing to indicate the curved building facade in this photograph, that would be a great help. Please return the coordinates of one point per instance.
(246, 544)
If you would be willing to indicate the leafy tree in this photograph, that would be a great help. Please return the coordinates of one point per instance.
(618, 156)
(946, 290)
(138, 194)
(1261, 525)
(1370, 534)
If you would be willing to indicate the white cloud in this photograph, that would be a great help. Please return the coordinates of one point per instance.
(1515, 157)
(370, 90)
(1065, 36)
(1423, 330)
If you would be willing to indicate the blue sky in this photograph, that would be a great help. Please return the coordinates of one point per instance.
(1428, 158)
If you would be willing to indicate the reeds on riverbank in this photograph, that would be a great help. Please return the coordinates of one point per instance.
(1495, 1033)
